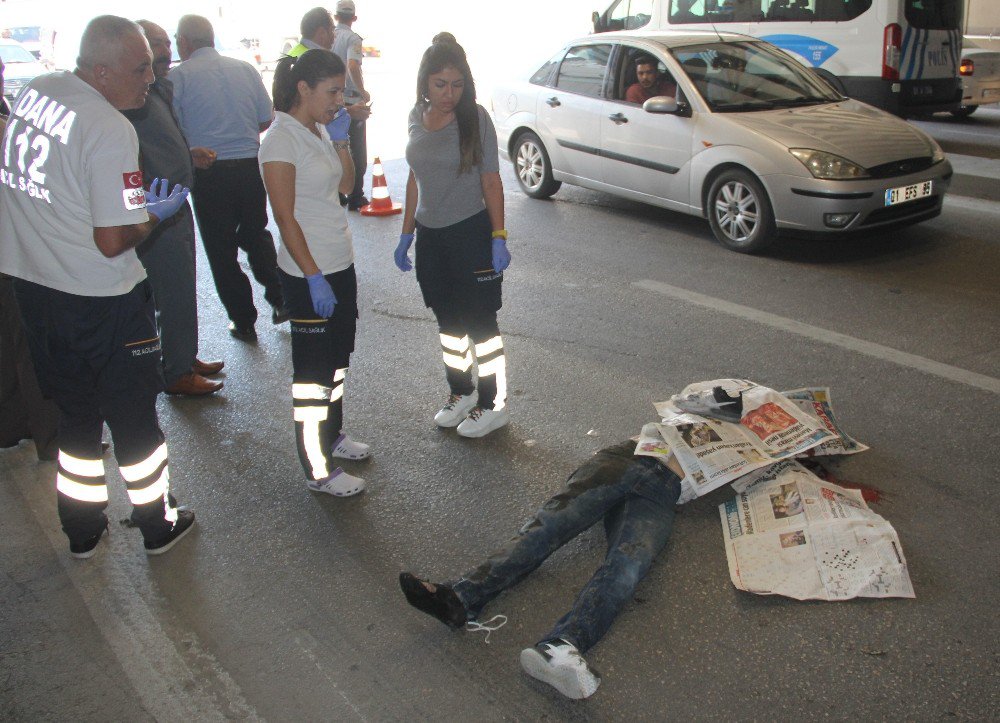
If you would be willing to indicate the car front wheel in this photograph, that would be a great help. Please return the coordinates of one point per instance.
(965, 111)
(534, 170)
(740, 213)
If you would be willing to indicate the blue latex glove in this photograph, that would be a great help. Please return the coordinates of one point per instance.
(322, 295)
(501, 256)
(401, 256)
(160, 203)
(340, 126)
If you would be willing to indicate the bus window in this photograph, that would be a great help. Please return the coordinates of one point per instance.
(817, 10)
(933, 14)
(630, 14)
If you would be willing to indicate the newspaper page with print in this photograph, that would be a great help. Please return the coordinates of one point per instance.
(790, 533)
(713, 452)
(816, 402)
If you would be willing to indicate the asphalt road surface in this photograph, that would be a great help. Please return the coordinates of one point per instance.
(283, 605)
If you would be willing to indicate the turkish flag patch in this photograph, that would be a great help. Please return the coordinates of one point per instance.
(133, 179)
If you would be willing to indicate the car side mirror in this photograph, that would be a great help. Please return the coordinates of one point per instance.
(595, 18)
(665, 105)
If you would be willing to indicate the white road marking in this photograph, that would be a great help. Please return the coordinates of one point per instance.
(850, 343)
(115, 594)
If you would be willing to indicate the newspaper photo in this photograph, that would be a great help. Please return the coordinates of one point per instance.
(816, 402)
(713, 452)
(789, 533)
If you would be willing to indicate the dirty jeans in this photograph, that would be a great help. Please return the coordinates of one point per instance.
(635, 497)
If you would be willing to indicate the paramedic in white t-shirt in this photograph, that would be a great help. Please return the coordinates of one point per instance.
(72, 209)
(304, 167)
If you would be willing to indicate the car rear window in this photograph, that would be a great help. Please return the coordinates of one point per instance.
(934, 14)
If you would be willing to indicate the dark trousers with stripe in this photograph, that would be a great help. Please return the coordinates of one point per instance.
(99, 359)
(321, 355)
(454, 267)
(230, 204)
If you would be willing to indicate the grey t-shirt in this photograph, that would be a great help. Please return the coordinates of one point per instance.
(444, 196)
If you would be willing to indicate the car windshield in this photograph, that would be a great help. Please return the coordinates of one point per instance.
(750, 76)
(16, 54)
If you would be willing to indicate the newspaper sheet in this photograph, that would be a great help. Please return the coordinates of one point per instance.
(789, 533)
(816, 402)
(713, 452)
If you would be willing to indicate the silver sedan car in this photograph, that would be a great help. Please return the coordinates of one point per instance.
(717, 125)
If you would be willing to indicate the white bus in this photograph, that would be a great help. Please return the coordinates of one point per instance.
(898, 55)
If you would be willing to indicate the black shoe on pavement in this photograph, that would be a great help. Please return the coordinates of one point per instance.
(356, 204)
(87, 548)
(243, 333)
(443, 603)
(280, 314)
(185, 521)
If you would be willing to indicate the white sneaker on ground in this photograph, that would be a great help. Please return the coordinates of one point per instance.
(339, 484)
(347, 448)
(560, 664)
(481, 422)
(455, 409)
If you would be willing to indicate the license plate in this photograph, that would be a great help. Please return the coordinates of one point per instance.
(908, 193)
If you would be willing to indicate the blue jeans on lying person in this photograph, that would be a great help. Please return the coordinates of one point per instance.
(634, 496)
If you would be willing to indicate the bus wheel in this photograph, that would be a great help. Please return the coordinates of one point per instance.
(740, 213)
(533, 167)
(964, 111)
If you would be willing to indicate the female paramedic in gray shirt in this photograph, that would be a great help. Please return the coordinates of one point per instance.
(454, 202)
(303, 172)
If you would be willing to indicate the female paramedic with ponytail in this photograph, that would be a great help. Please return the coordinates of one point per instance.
(303, 172)
(454, 203)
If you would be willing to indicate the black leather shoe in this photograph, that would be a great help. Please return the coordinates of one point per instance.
(280, 314)
(243, 333)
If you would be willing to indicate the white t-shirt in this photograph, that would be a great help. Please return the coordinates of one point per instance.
(69, 162)
(317, 201)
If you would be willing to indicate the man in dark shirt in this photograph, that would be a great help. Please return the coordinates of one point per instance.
(168, 253)
(650, 83)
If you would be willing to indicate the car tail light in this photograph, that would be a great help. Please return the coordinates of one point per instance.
(892, 41)
(967, 67)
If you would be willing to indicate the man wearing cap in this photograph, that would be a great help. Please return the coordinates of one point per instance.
(347, 44)
(168, 253)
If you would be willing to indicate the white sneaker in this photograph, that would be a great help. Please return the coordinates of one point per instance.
(339, 484)
(560, 664)
(456, 409)
(481, 422)
(347, 448)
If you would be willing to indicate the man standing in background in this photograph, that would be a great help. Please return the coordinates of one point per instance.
(168, 253)
(221, 103)
(347, 44)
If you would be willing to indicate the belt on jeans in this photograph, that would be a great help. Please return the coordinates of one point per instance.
(229, 162)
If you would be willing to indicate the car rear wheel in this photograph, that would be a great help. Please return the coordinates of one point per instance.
(740, 213)
(965, 111)
(534, 170)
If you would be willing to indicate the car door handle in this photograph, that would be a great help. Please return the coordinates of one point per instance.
(618, 118)
(553, 102)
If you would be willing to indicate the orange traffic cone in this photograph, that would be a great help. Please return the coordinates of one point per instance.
(381, 204)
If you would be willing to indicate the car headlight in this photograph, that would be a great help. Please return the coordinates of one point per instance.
(827, 165)
(937, 155)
